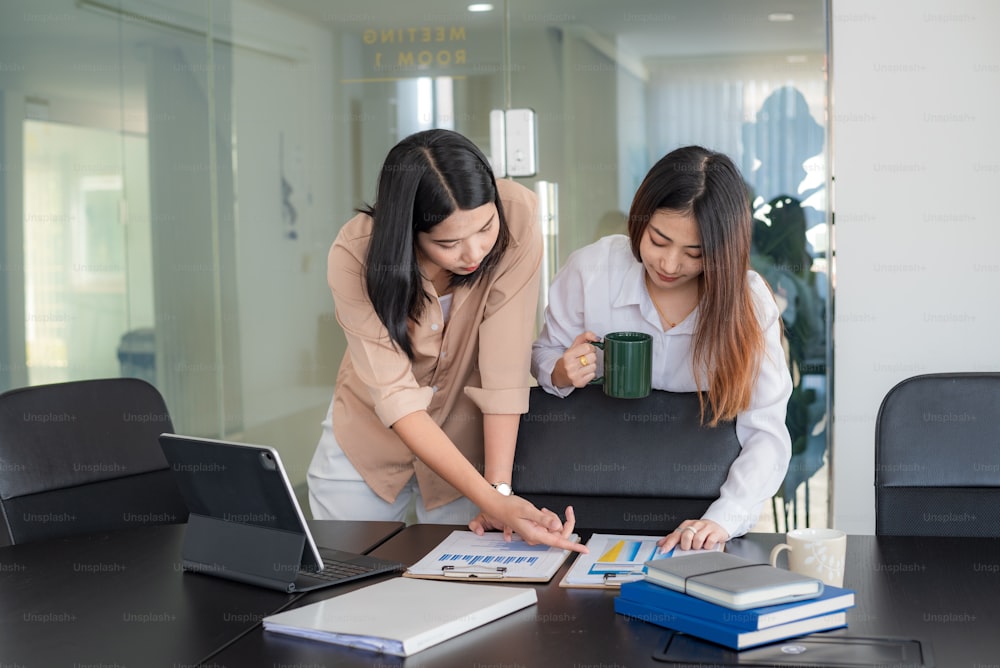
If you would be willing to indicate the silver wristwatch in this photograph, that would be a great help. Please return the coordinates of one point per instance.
(503, 487)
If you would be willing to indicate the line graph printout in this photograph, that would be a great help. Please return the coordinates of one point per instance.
(465, 553)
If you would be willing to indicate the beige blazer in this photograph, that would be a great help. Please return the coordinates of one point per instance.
(478, 363)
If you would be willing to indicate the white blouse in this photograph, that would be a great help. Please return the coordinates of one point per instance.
(601, 288)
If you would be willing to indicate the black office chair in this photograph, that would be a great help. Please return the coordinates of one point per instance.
(937, 456)
(623, 464)
(82, 457)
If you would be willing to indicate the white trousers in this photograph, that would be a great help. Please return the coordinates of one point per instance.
(338, 492)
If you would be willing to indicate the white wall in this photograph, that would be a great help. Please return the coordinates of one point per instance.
(916, 162)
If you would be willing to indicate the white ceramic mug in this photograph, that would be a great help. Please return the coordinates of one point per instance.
(818, 553)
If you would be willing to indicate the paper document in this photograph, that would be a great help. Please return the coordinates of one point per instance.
(464, 555)
(616, 558)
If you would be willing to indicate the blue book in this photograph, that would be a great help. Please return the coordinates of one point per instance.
(833, 599)
(726, 635)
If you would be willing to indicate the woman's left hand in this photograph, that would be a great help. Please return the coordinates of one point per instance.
(694, 535)
(483, 523)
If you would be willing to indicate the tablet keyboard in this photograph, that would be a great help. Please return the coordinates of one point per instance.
(338, 570)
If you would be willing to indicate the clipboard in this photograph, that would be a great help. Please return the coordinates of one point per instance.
(465, 557)
(616, 558)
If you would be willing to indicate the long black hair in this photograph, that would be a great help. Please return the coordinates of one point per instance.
(425, 178)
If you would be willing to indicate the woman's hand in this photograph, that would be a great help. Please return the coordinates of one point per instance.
(577, 366)
(483, 523)
(694, 535)
(534, 526)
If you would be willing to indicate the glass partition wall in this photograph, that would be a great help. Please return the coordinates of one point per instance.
(173, 173)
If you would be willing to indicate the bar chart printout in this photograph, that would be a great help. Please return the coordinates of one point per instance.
(617, 558)
(623, 554)
(489, 555)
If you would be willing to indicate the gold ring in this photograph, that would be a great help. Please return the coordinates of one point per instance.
(583, 360)
(691, 529)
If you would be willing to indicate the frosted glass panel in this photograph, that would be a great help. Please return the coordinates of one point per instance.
(81, 271)
(172, 174)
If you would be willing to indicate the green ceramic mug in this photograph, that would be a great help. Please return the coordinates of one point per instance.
(628, 365)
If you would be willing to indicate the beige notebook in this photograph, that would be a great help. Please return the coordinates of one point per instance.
(401, 616)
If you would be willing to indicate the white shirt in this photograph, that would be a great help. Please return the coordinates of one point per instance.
(602, 289)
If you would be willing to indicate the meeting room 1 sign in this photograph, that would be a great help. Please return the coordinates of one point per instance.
(424, 50)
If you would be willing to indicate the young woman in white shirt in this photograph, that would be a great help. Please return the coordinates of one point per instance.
(682, 275)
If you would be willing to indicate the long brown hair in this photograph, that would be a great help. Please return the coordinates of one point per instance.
(728, 340)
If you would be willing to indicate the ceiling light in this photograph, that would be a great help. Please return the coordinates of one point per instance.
(480, 7)
(781, 17)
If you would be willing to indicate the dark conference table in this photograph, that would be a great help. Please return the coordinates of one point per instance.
(944, 592)
(120, 600)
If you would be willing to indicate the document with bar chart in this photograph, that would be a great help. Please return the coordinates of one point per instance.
(615, 559)
(465, 556)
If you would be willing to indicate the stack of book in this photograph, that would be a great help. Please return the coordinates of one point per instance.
(733, 601)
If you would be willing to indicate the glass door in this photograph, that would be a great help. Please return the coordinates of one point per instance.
(612, 87)
(235, 137)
